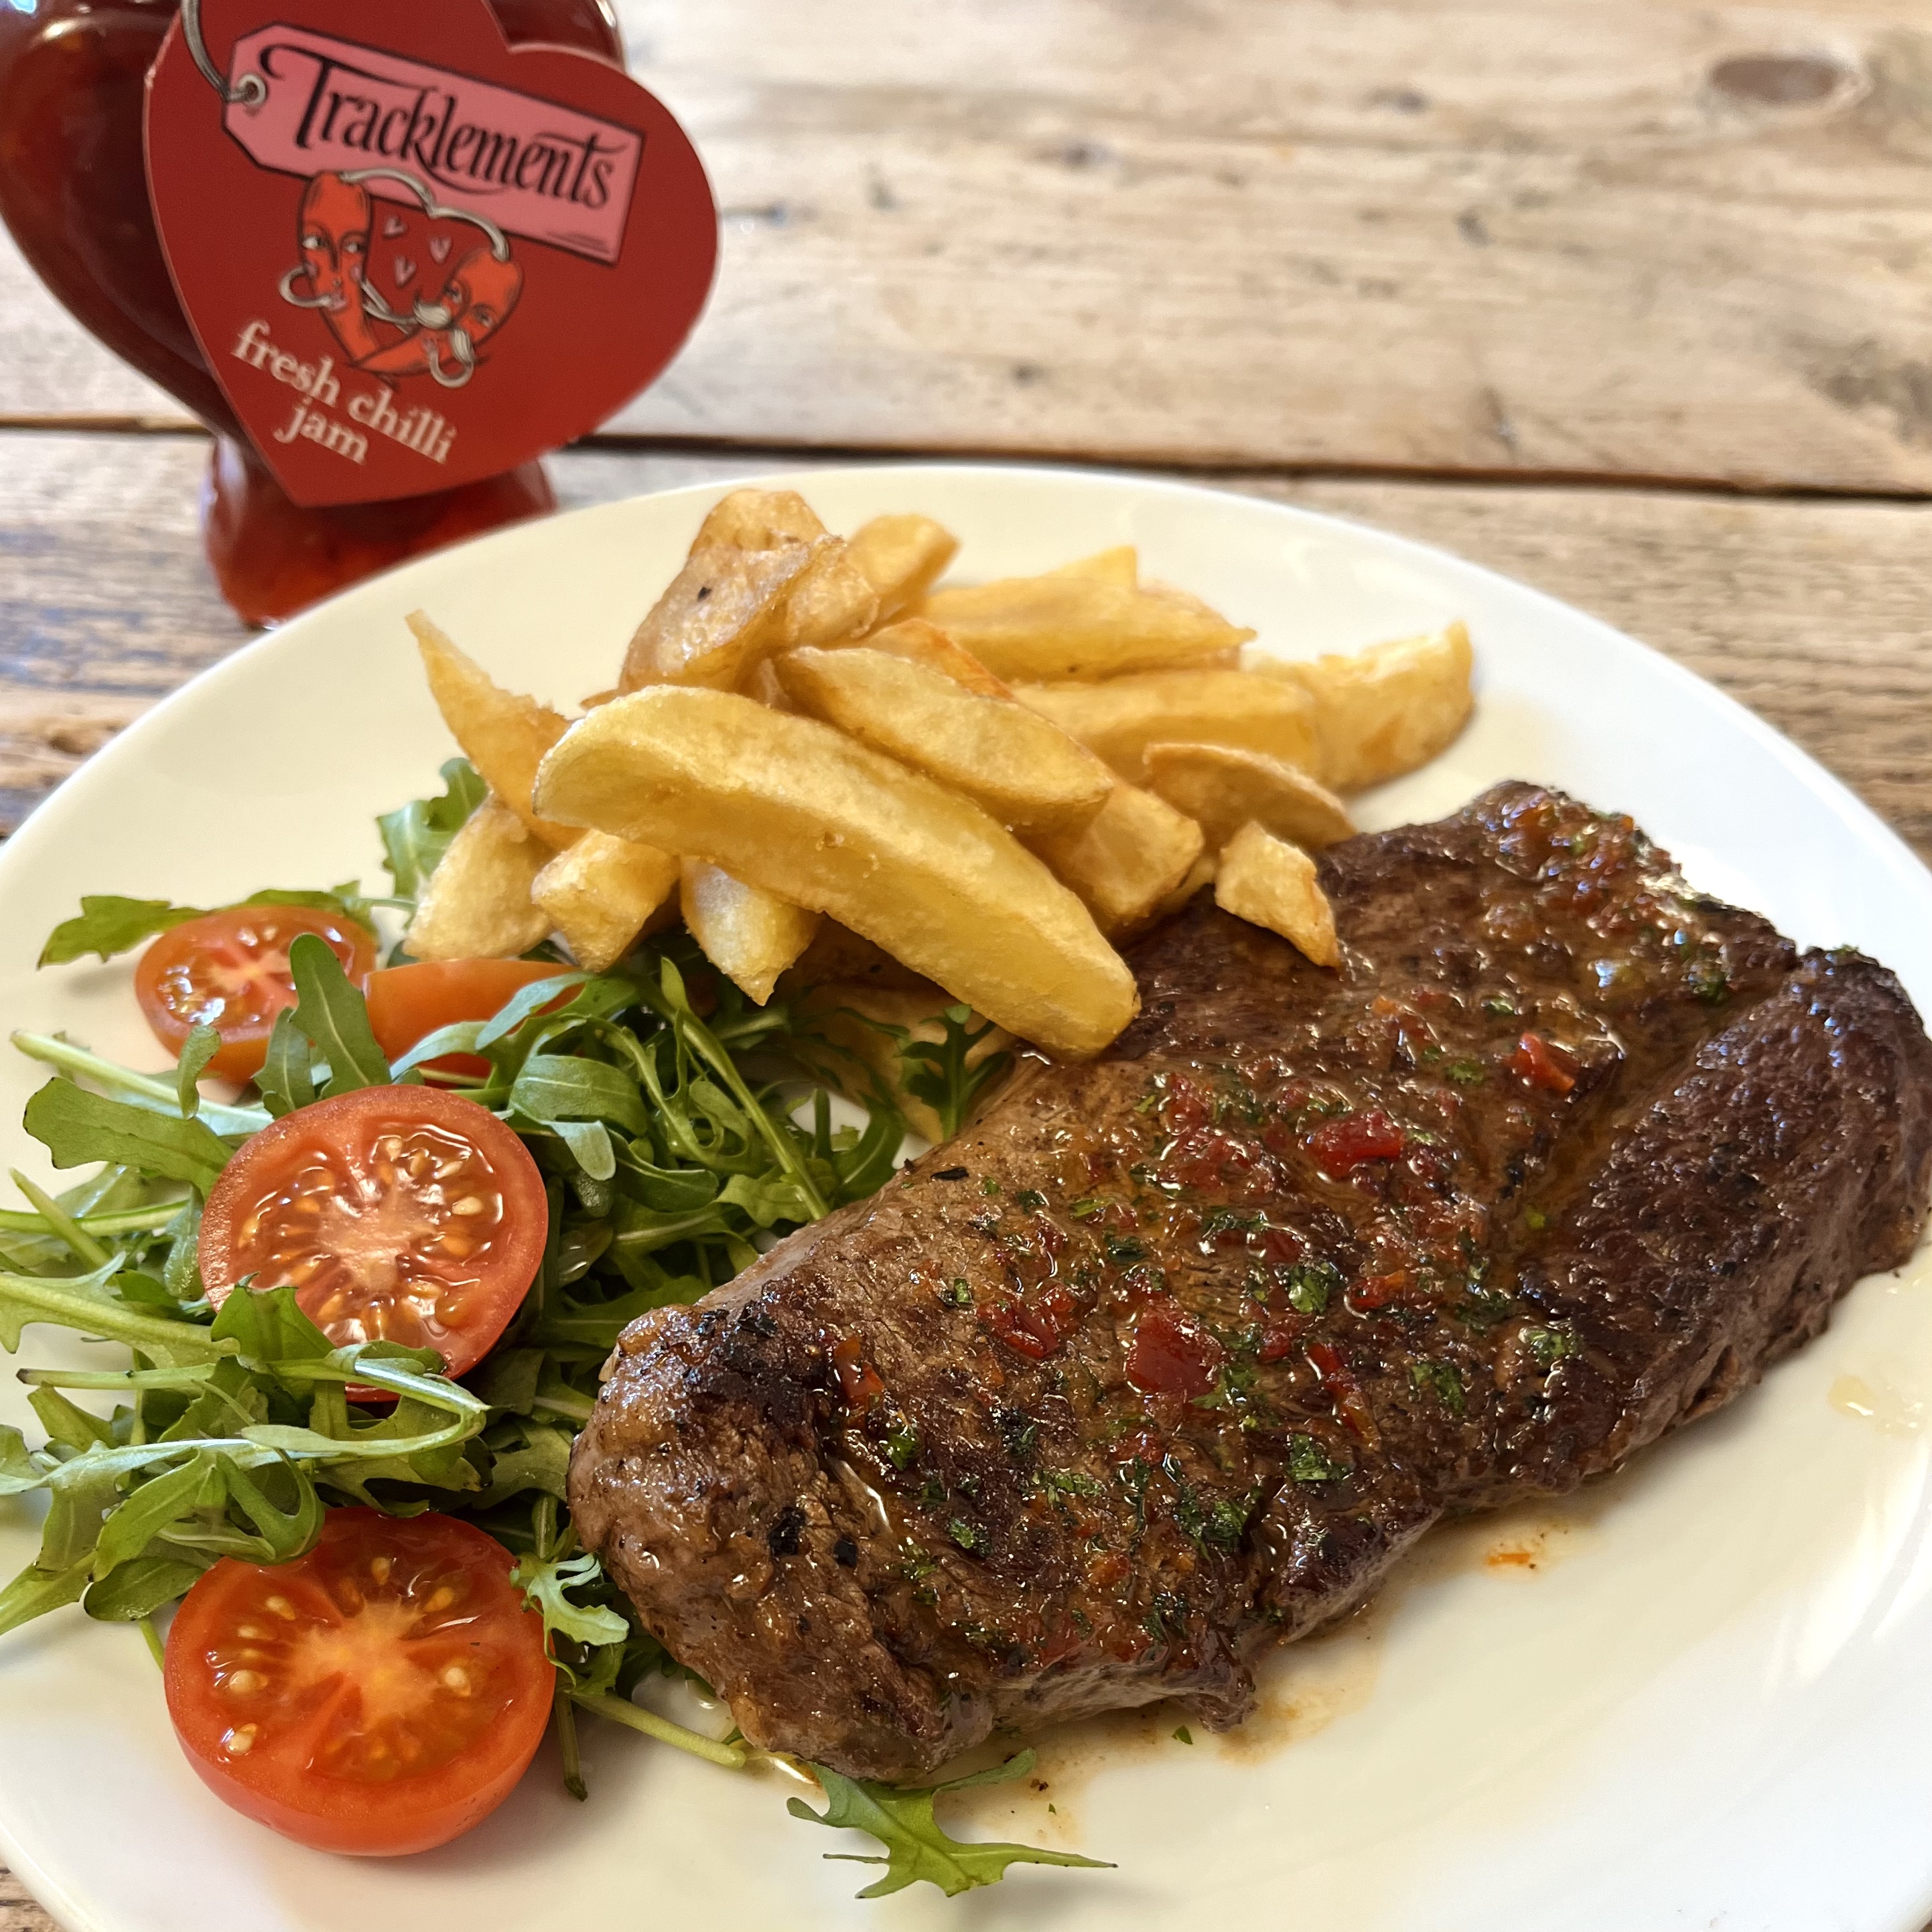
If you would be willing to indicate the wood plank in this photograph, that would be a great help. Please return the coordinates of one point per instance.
(1815, 614)
(1534, 236)
(18, 1912)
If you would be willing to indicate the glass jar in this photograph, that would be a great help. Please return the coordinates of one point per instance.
(73, 190)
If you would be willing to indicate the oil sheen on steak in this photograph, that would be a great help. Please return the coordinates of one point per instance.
(1172, 1354)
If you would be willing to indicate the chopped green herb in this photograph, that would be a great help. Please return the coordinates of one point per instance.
(1029, 1200)
(1548, 1346)
(1500, 1006)
(901, 1444)
(1182, 1735)
(1441, 1381)
(1535, 1220)
(1311, 1285)
(1309, 1461)
(968, 1536)
(1123, 1250)
(957, 1293)
(1467, 1073)
(989, 1186)
(1017, 1431)
(1059, 1483)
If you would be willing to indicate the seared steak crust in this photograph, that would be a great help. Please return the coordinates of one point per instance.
(1173, 1354)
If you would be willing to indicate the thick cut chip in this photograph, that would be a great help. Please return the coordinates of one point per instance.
(1268, 882)
(794, 806)
(750, 936)
(1222, 789)
(860, 1020)
(1382, 712)
(1121, 564)
(477, 904)
(921, 643)
(831, 601)
(713, 621)
(602, 893)
(503, 735)
(901, 557)
(1026, 772)
(759, 520)
(1120, 718)
(1061, 626)
(1127, 860)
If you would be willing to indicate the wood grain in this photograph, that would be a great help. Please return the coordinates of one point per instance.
(18, 1912)
(1660, 239)
(1814, 614)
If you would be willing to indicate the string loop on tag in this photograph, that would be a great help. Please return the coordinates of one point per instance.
(251, 90)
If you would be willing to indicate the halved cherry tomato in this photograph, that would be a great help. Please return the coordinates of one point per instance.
(407, 1004)
(379, 1695)
(230, 971)
(397, 1214)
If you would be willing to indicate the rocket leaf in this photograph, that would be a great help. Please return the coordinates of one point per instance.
(917, 1850)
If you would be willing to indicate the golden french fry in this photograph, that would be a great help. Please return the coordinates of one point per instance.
(1221, 788)
(1121, 565)
(711, 624)
(1058, 626)
(502, 735)
(831, 601)
(602, 893)
(901, 557)
(1268, 882)
(749, 935)
(477, 904)
(1120, 718)
(798, 808)
(762, 682)
(759, 520)
(1385, 711)
(1026, 772)
(920, 642)
(839, 1011)
(1127, 860)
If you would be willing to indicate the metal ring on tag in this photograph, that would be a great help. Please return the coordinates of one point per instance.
(251, 90)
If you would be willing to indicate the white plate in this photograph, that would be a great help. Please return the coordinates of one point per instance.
(1715, 1710)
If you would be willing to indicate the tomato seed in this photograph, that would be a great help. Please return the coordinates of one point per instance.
(282, 1607)
(378, 1568)
(245, 1683)
(240, 1741)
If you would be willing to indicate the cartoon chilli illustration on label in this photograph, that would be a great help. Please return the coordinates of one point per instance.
(412, 255)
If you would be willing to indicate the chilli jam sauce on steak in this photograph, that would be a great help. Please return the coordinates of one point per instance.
(1174, 1353)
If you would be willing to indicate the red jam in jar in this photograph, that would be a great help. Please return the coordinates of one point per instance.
(73, 190)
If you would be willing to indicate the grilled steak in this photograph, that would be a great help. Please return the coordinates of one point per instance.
(1172, 1354)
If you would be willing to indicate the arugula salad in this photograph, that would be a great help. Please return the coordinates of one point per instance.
(365, 1304)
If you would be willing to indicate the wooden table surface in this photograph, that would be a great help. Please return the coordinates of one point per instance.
(1633, 301)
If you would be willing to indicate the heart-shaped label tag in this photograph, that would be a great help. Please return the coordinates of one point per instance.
(413, 257)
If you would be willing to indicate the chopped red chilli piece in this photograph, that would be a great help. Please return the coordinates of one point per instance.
(1382, 1291)
(1279, 1336)
(1541, 1064)
(1350, 1404)
(1036, 1324)
(1340, 1147)
(1171, 1355)
(858, 1380)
